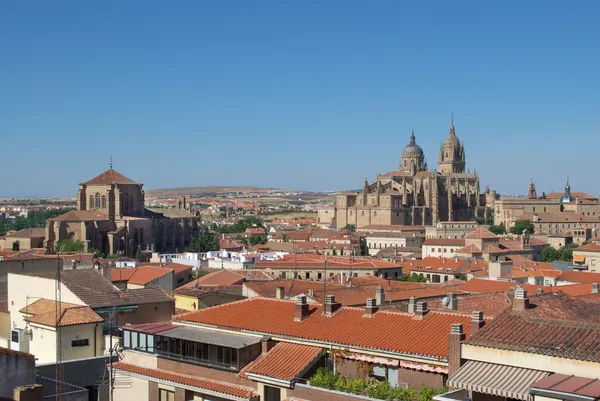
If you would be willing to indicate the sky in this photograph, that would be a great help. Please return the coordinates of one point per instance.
(311, 95)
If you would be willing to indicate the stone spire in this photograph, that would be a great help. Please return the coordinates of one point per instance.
(531, 192)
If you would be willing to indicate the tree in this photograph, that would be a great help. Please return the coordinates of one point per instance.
(520, 226)
(69, 246)
(499, 229)
(16, 246)
(490, 219)
(204, 242)
(350, 227)
(285, 238)
(550, 254)
(258, 239)
(543, 195)
(138, 253)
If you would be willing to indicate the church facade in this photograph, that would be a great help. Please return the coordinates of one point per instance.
(414, 195)
(111, 218)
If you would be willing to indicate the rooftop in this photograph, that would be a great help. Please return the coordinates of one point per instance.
(111, 177)
(44, 311)
(346, 327)
(28, 233)
(138, 275)
(81, 215)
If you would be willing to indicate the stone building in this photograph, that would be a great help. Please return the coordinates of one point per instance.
(111, 218)
(413, 194)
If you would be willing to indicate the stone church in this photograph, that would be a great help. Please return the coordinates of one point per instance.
(414, 195)
(111, 217)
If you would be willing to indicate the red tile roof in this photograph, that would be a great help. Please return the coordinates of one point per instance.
(480, 286)
(189, 380)
(317, 261)
(138, 275)
(444, 241)
(591, 247)
(17, 353)
(560, 217)
(427, 337)
(555, 325)
(481, 233)
(285, 361)
(81, 215)
(110, 177)
(218, 278)
(43, 311)
(579, 277)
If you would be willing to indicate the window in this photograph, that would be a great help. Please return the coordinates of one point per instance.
(307, 275)
(142, 342)
(166, 395)
(379, 372)
(97, 200)
(103, 201)
(319, 276)
(282, 275)
(131, 203)
(91, 205)
(150, 343)
(134, 340)
(126, 339)
(80, 343)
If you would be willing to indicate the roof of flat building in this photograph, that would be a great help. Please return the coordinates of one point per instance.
(285, 361)
(426, 338)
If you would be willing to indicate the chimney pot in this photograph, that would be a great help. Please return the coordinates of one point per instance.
(453, 301)
(421, 310)
(301, 309)
(412, 304)
(521, 299)
(380, 295)
(311, 292)
(456, 329)
(371, 308)
(279, 293)
(477, 321)
(539, 291)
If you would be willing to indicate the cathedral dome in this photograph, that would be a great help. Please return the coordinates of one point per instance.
(412, 149)
(452, 139)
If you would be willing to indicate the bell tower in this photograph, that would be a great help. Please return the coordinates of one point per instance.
(452, 153)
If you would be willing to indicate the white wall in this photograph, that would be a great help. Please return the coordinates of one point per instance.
(42, 342)
(129, 388)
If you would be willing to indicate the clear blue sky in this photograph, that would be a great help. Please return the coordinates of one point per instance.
(313, 95)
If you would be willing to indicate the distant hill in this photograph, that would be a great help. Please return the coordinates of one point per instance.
(199, 191)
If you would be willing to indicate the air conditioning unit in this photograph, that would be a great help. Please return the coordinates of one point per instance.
(19, 340)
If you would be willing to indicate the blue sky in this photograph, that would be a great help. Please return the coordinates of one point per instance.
(314, 95)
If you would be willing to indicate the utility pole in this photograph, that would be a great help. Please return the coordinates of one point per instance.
(111, 350)
(58, 315)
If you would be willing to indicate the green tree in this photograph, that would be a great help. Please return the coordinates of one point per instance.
(520, 226)
(543, 195)
(258, 239)
(138, 253)
(204, 242)
(490, 219)
(70, 246)
(499, 229)
(16, 246)
(285, 238)
(550, 254)
(350, 227)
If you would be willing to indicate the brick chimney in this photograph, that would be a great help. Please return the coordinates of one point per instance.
(279, 293)
(455, 339)
(28, 392)
(412, 304)
(266, 343)
(301, 309)
(521, 299)
(371, 308)
(452, 301)
(421, 310)
(477, 321)
(595, 287)
(539, 291)
(331, 306)
(380, 295)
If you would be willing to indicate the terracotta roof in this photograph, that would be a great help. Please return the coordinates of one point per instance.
(560, 217)
(427, 337)
(220, 277)
(444, 241)
(481, 233)
(138, 275)
(391, 227)
(443, 265)
(317, 261)
(189, 380)
(16, 353)
(233, 290)
(177, 267)
(81, 215)
(110, 177)
(556, 325)
(591, 247)
(285, 361)
(579, 277)
(480, 286)
(28, 233)
(43, 311)
(469, 250)
(30, 255)
(558, 195)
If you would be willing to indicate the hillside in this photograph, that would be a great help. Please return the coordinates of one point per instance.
(203, 191)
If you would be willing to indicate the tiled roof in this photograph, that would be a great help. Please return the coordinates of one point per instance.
(579, 277)
(560, 217)
(563, 384)
(591, 247)
(481, 233)
(17, 353)
(215, 386)
(43, 311)
(443, 265)
(217, 278)
(469, 249)
(28, 233)
(177, 267)
(556, 325)
(110, 177)
(317, 261)
(285, 361)
(233, 290)
(138, 275)
(391, 227)
(30, 255)
(558, 195)
(427, 337)
(81, 215)
(480, 286)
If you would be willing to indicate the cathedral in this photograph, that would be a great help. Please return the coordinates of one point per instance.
(111, 218)
(413, 194)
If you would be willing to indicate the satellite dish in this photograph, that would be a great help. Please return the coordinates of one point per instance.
(446, 301)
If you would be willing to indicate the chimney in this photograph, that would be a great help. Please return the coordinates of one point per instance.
(371, 308)
(412, 304)
(595, 287)
(452, 301)
(301, 309)
(279, 294)
(310, 293)
(539, 291)
(106, 272)
(421, 310)
(455, 339)
(28, 392)
(266, 343)
(477, 321)
(521, 299)
(331, 306)
(380, 295)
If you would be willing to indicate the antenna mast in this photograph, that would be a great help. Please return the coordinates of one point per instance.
(57, 299)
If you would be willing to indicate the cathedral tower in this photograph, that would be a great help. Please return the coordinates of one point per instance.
(413, 157)
(452, 154)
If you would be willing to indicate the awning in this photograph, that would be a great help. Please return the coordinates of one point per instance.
(579, 259)
(493, 379)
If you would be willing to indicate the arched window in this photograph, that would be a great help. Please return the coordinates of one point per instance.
(131, 204)
(126, 203)
(135, 236)
(97, 200)
(91, 205)
(141, 235)
(103, 201)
